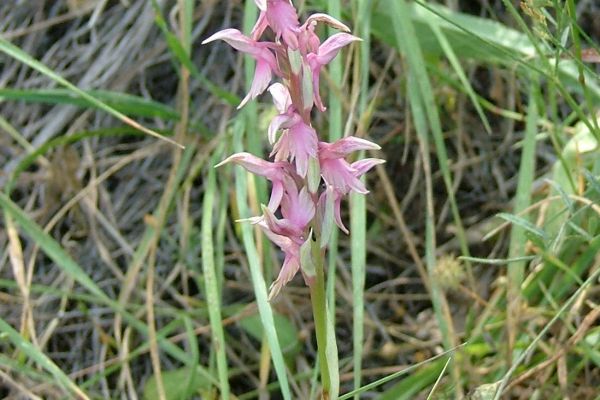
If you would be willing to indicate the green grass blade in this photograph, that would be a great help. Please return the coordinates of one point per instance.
(211, 285)
(516, 270)
(409, 387)
(453, 59)
(398, 374)
(425, 114)
(358, 207)
(19, 55)
(122, 102)
(180, 53)
(524, 224)
(40, 358)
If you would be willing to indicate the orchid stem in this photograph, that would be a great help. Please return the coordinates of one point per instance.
(318, 299)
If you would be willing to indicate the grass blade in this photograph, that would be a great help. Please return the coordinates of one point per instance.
(453, 59)
(40, 358)
(211, 285)
(516, 270)
(182, 55)
(122, 102)
(18, 54)
(358, 207)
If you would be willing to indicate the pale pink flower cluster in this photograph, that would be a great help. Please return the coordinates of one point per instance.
(296, 56)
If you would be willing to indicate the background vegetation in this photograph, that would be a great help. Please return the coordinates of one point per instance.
(472, 269)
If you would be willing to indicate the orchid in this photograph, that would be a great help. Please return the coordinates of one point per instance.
(309, 177)
(300, 161)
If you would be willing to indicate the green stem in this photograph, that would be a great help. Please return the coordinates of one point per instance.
(317, 296)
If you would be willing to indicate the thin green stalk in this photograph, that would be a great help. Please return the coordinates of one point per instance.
(319, 304)
(358, 214)
(213, 297)
(516, 270)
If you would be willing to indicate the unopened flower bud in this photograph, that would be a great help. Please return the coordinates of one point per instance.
(295, 60)
(307, 87)
(314, 175)
(328, 217)
(306, 260)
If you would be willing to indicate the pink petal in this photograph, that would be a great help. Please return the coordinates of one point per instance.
(298, 208)
(283, 242)
(337, 214)
(281, 97)
(337, 201)
(303, 145)
(339, 174)
(290, 267)
(283, 227)
(256, 165)
(309, 42)
(329, 49)
(283, 20)
(345, 146)
(276, 195)
(262, 78)
(276, 123)
(362, 166)
(316, 72)
(237, 40)
(260, 25)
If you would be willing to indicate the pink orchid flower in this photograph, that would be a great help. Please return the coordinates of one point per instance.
(326, 52)
(298, 141)
(277, 172)
(336, 171)
(342, 176)
(266, 64)
(291, 260)
(281, 17)
(309, 42)
(289, 232)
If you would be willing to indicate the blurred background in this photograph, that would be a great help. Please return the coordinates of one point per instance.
(481, 231)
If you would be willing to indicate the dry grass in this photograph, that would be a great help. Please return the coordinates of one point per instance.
(98, 196)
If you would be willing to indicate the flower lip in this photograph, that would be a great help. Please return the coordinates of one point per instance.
(344, 147)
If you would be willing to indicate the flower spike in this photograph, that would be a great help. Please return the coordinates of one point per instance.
(309, 178)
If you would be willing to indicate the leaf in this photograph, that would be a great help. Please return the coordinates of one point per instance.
(179, 384)
(286, 332)
(471, 37)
